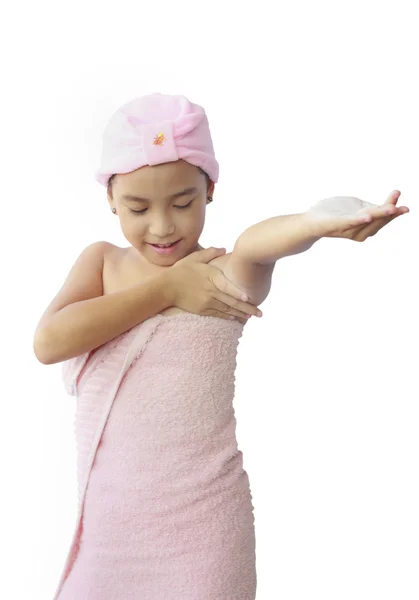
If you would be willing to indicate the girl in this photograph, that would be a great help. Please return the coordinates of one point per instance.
(165, 509)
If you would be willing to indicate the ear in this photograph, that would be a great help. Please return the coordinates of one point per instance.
(110, 198)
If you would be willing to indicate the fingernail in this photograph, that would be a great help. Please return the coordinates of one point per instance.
(259, 313)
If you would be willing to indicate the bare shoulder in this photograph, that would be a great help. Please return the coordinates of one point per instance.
(112, 272)
(84, 281)
(110, 251)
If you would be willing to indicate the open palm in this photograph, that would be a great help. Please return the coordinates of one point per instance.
(352, 218)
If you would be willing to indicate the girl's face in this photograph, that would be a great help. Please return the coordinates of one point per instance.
(152, 211)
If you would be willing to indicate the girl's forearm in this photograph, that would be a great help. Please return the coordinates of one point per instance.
(277, 237)
(86, 325)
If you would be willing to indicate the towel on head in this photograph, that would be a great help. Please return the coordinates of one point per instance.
(156, 129)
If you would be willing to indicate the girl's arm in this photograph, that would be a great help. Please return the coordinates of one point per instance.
(250, 266)
(81, 318)
(339, 216)
(266, 242)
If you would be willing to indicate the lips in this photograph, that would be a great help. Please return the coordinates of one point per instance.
(165, 251)
(166, 244)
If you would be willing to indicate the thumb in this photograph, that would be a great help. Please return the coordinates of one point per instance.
(393, 198)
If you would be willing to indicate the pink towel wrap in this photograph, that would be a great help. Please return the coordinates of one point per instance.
(165, 509)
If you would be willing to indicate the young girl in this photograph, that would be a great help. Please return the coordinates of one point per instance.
(165, 509)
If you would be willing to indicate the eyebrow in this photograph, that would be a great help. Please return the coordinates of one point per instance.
(186, 192)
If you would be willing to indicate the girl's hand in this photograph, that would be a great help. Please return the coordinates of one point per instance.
(351, 218)
(203, 289)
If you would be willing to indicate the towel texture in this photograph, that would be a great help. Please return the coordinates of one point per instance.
(155, 129)
(165, 509)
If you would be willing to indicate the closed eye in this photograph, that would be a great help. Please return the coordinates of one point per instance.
(141, 212)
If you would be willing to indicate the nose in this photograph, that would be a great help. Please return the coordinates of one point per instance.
(161, 228)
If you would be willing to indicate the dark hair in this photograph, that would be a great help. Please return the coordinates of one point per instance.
(207, 177)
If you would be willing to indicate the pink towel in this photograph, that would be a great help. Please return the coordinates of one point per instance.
(165, 508)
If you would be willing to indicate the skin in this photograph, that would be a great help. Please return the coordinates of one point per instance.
(162, 221)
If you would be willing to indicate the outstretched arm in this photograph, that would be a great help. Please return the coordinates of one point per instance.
(266, 242)
(340, 216)
(251, 264)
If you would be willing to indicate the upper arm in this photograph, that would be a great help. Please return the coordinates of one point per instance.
(254, 279)
(83, 282)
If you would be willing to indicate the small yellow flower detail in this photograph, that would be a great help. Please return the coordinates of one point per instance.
(159, 139)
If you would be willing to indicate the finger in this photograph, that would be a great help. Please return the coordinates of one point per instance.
(386, 211)
(393, 198)
(226, 287)
(348, 222)
(226, 312)
(236, 307)
(377, 212)
(362, 233)
(229, 316)
(369, 230)
(353, 226)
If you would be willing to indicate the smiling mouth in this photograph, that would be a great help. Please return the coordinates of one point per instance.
(165, 245)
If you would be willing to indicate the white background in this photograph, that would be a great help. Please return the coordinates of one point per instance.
(305, 101)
